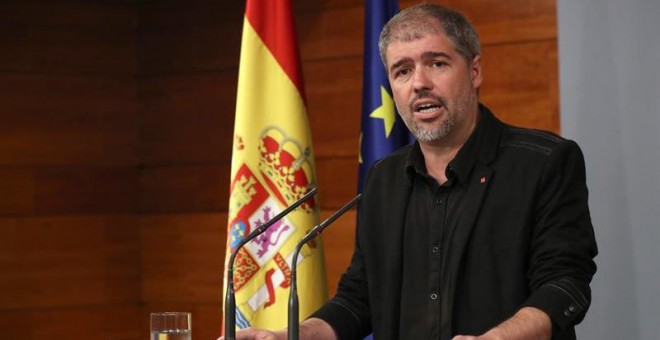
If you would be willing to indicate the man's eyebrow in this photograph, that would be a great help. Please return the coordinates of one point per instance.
(431, 55)
(399, 63)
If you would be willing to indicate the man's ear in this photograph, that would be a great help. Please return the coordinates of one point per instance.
(475, 71)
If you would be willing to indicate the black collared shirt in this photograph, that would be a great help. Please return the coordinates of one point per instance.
(432, 211)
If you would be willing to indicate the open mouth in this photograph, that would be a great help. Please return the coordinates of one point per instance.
(427, 108)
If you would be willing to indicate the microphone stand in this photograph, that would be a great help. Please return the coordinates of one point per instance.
(230, 298)
(294, 328)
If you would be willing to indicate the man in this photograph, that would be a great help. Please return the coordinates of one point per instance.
(478, 231)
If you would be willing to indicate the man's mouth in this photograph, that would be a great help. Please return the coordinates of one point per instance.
(427, 108)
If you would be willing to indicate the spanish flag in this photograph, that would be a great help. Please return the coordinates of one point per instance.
(272, 166)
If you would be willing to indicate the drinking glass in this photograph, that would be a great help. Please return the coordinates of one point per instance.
(171, 326)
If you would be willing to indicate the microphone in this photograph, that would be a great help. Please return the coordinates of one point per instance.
(293, 293)
(230, 299)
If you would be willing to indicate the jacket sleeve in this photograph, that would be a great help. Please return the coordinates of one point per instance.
(563, 244)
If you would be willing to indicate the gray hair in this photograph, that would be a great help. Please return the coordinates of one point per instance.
(417, 21)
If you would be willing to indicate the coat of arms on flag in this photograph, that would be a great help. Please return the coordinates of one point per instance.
(284, 175)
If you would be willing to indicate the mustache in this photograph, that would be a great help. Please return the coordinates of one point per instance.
(427, 94)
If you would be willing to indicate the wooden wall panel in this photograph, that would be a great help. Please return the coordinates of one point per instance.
(178, 44)
(39, 93)
(199, 48)
(161, 15)
(88, 52)
(188, 119)
(70, 13)
(334, 104)
(217, 47)
(15, 51)
(68, 261)
(81, 39)
(188, 80)
(84, 190)
(184, 189)
(116, 322)
(17, 188)
(182, 257)
(69, 152)
(301, 7)
(529, 75)
(63, 120)
(341, 30)
(337, 180)
(190, 36)
(67, 190)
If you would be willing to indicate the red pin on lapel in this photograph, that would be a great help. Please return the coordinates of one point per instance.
(482, 180)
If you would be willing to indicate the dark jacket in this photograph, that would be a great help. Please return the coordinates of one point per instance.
(528, 241)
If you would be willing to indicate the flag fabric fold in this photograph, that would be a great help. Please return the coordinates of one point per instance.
(383, 131)
(272, 166)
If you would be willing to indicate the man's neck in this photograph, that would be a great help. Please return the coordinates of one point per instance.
(436, 159)
(437, 155)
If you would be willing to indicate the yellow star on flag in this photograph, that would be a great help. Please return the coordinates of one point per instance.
(385, 111)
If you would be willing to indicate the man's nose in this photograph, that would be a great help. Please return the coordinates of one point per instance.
(421, 80)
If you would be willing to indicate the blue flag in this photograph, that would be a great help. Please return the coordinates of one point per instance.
(383, 131)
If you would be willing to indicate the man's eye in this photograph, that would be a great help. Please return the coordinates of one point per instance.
(439, 63)
(402, 72)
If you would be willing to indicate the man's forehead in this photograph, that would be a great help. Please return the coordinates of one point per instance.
(442, 44)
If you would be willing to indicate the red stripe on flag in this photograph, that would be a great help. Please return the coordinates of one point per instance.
(273, 22)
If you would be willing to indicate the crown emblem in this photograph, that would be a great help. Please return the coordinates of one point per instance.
(286, 167)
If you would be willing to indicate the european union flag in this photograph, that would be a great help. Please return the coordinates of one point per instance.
(383, 131)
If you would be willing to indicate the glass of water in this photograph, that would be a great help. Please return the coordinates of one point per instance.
(171, 326)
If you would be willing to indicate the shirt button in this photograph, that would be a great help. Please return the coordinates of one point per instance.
(434, 296)
(572, 308)
(435, 249)
(568, 313)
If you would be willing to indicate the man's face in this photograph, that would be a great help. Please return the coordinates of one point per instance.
(435, 90)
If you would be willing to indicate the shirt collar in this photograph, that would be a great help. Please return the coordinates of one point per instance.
(461, 166)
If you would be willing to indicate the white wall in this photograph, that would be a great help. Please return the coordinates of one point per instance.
(609, 56)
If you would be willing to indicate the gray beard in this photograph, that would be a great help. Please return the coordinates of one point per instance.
(433, 134)
(436, 134)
